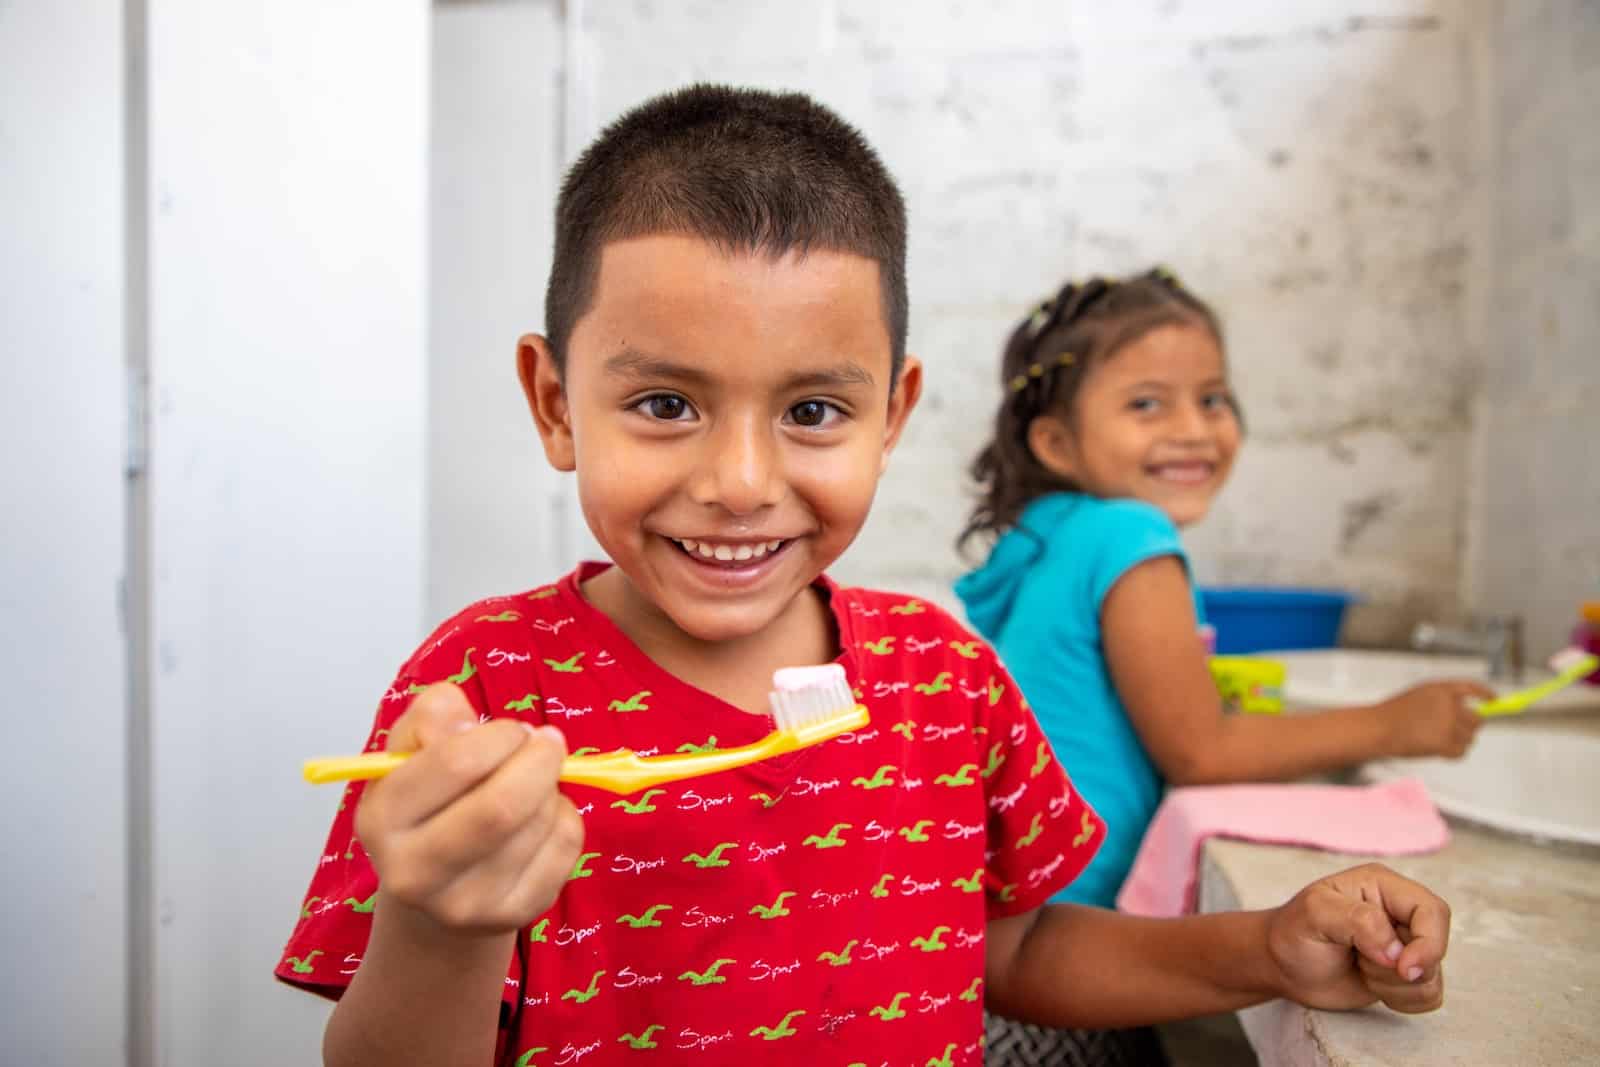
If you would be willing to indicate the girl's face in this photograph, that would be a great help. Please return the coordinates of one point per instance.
(1153, 421)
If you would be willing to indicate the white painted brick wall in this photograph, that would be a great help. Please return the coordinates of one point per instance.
(1537, 510)
(1322, 171)
(1309, 167)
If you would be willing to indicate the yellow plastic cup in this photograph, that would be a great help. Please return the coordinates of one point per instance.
(1249, 683)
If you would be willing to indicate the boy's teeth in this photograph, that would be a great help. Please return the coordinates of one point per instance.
(729, 553)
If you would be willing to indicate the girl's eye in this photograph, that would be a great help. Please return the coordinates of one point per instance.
(668, 407)
(1143, 404)
(1218, 402)
(812, 413)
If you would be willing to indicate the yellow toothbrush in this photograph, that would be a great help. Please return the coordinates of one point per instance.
(809, 706)
(1570, 664)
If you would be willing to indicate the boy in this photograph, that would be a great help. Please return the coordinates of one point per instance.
(724, 369)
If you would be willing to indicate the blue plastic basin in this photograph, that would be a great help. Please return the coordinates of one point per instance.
(1260, 618)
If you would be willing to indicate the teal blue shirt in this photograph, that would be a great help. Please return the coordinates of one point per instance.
(1038, 601)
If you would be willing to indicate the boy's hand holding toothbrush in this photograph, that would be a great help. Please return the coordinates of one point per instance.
(470, 833)
(1433, 719)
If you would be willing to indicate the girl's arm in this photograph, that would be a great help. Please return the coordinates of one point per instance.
(1158, 664)
(1066, 965)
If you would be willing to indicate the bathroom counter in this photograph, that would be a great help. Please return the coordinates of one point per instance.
(1522, 976)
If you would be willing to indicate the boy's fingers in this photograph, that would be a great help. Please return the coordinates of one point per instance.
(1424, 994)
(517, 790)
(1366, 928)
(450, 767)
(1426, 918)
(1397, 922)
(438, 712)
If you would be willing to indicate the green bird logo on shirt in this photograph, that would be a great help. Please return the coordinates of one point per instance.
(891, 1011)
(783, 1029)
(633, 703)
(583, 996)
(709, 976)
(880, 778)
(643, 1039)
(712, 858)
(829, 840)
(639, 922)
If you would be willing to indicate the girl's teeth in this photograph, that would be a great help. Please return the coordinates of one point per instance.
(743, 552)
(724, 553)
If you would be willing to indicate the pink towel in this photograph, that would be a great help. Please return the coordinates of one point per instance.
(1390, 819)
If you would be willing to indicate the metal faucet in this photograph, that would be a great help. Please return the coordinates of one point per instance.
(1497, 638)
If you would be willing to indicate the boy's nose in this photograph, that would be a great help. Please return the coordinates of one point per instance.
(739, 468)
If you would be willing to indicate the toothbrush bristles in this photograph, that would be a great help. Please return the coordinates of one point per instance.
(805, 695)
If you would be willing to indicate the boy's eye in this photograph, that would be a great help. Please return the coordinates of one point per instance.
(1218, 402)
(668, 407)
(811, 413)
(1143, 404)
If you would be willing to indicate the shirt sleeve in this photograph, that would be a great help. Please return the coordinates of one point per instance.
(330, 936)
(1131, 533)
(1041, 831)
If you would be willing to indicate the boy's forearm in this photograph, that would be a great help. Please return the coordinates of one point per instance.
(1082, 967)
(1256, 748)
(420, 996)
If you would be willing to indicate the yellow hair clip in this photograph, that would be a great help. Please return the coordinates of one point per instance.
(1040, 316)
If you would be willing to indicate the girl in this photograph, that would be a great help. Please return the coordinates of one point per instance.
(1118, 428)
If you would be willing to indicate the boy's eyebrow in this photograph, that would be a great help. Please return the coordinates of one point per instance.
(631, 362)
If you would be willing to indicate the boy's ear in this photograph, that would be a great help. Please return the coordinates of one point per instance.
(547, 400)
(1052, 444)
(907, 391)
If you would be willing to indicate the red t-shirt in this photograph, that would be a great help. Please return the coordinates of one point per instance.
(825, 907)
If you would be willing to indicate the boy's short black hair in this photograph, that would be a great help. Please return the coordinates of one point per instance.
(743, 169)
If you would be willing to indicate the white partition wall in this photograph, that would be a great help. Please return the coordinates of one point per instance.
(62, 773)
(287, 223)
(499, 519)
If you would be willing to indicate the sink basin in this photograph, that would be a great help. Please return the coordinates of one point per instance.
(1536, 774)
(1338, 677)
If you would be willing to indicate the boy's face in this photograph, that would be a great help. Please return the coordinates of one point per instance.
(728, 416)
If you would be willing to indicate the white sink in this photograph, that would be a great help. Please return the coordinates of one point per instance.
(1536, 774)
(1340, 676)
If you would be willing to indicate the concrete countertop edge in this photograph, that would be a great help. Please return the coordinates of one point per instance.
(1283, 1033)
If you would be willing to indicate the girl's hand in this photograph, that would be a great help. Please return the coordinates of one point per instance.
(470, 834)
(1361, 936)
(1433, 719)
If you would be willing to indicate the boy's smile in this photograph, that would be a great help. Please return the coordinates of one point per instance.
(728, 415)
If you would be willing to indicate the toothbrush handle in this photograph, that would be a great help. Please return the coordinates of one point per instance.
(352, 768)
(620, 772)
